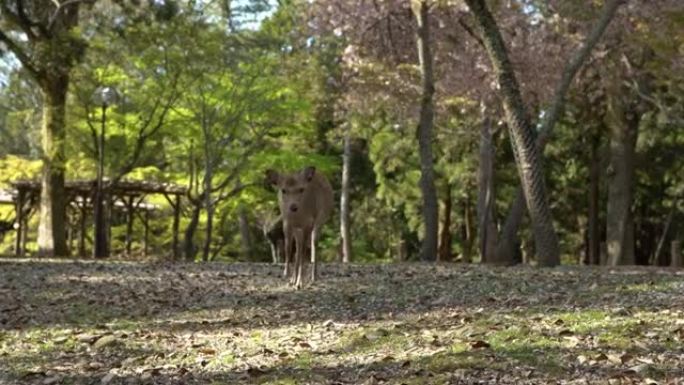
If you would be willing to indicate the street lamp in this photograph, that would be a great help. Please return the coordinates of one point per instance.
(104, 96)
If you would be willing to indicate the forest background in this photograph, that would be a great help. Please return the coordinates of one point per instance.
(393, 94)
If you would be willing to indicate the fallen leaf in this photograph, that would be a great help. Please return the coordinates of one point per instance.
(626, 357)
(107, 378)
(638, 369)
(645, 360)
(255, 371)
(104, 341)
(480, 345)
(51, 380)
(614, 359)
(60, 340)
(207, 351)
(95, 365)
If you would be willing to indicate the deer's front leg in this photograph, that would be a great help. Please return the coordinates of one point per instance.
(299, 258)
(314, 236)
(288, 250)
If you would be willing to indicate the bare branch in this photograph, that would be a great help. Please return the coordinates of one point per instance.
(470, 32)
(570, 70)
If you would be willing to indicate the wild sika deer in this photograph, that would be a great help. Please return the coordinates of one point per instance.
(306, 202)
(273, 231)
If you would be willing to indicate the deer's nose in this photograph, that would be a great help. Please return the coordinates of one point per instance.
(293, 208)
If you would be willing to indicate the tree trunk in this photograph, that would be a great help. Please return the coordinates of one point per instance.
(676, 258)
(467, 229)
(445, 236)
(486, 214)
(594, 233)
(506, 249)
(130, 212)
(209, 230)
(344, 198)
(51, 227)
(48, 59)
(245, 238)
(427, 179)
(619, 220)
(100, 230)
(189, 242)
(655, 260)
(526, 152)
(209, 205)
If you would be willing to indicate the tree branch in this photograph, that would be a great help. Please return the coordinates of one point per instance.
(233, 192)
(21, 12)
(21, 55)
(470, 32)
(17, 19)
(573, 66)
(60, 7)
(144, 134)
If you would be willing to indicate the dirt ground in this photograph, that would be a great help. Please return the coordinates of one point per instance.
(86, 322)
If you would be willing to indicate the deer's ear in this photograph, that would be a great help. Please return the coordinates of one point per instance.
(272, 177)
(309, 173)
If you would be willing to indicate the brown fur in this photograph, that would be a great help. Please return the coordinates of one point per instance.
(306, 202)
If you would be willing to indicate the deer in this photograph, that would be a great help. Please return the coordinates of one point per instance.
(306, 202)
(273, 232)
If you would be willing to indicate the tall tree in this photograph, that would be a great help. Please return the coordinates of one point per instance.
(527, 154)
(421, 10)
(50, 50)
(506, 247)
(486, 210)
(345, 214)
(623, 118)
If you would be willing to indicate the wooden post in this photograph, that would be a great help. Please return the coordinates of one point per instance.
(82, 232)
(176, 223)
(109, 218)
(129, 224)
(677, 260)
(402, 250)
(27, 212)
(146, 223)
(18, 251)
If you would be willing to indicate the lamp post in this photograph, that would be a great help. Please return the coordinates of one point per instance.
(105, 96)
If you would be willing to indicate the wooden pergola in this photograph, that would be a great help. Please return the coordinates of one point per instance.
(126, 195)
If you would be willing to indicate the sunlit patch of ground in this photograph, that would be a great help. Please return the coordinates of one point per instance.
(65, 322)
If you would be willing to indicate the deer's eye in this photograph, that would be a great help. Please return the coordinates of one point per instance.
(283, 191)
(301, 190)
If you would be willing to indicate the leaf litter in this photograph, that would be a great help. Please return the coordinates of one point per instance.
(87, 322)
